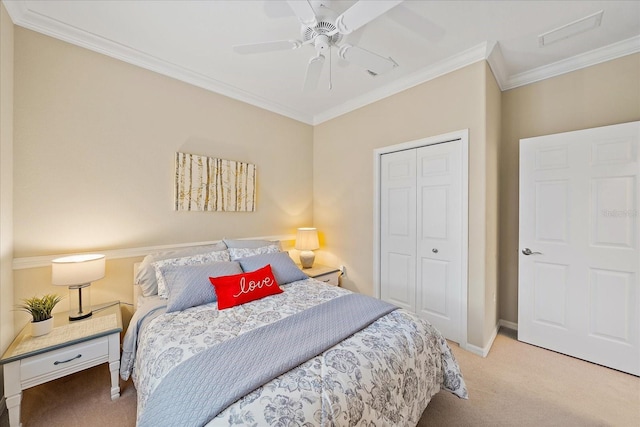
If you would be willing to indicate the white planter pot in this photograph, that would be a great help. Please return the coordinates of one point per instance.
(41, 328)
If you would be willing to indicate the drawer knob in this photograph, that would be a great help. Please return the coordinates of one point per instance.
(58, 362)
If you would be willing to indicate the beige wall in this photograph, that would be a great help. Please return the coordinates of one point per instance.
(95, 140)
(343, 173)
(6, 183)
(493, 121)
(601, 95)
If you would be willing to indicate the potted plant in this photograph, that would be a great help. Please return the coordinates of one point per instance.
(40, 310)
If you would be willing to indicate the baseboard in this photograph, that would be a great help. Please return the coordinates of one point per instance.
(482, 351)
(507, 324)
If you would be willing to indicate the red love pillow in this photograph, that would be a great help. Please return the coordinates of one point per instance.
(242, 288)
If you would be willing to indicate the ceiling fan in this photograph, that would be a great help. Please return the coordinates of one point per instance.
(322, 28)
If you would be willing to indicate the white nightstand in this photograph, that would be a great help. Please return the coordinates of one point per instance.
(329, 275)
(69, 348)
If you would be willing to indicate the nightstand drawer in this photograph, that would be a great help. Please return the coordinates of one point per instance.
(66, 359)
(329, 278)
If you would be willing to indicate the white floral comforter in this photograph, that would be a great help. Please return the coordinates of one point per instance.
(383, 375)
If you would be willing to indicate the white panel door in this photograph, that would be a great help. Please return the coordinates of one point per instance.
(398, 228)
(439, 236)
(421, 240)
(578, 284)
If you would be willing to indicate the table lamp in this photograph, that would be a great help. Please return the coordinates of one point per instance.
(77, 272)
(306, 242)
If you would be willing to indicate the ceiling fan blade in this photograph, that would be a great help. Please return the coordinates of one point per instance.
(362, 13)
(368, 60)
(267, 46)
(313, 73)
(304, 12)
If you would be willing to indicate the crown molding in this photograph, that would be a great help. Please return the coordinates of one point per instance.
(461, 60)
(498, 65)
(21, 15)
(587, 59)
(490, 51)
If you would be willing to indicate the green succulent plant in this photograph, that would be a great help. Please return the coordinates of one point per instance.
(40, 308)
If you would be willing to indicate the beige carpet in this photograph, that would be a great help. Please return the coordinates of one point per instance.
(516, 385)
(522, 385)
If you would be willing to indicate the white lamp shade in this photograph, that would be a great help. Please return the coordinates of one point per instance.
(77, 269)
(307, 239)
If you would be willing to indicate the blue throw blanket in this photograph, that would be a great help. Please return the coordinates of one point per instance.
(197, 390)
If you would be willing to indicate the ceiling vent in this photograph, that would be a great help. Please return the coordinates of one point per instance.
(576, 27)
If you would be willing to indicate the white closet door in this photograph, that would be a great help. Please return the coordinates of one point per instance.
(579, 291)
(398, 228)
(439, 236)
(421, 240)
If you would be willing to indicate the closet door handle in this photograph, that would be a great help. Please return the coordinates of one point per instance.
(434, 250)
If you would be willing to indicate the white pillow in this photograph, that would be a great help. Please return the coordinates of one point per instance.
(238, 253)
(146, 274)
(189, 260)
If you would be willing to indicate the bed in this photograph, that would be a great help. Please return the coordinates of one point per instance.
(304, 354)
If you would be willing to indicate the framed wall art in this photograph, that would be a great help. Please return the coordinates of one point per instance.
(209, 184)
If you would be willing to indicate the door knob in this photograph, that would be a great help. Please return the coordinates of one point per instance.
(527, 251)
(434, 250)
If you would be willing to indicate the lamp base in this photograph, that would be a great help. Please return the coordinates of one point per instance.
(75, 316)
(80, 302)
(307, 258)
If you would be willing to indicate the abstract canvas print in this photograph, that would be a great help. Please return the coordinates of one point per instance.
(209, 184)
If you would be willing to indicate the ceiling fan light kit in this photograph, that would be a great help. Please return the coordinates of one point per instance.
(322, 29)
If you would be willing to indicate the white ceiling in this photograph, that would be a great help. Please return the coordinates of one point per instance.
(192, 41)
